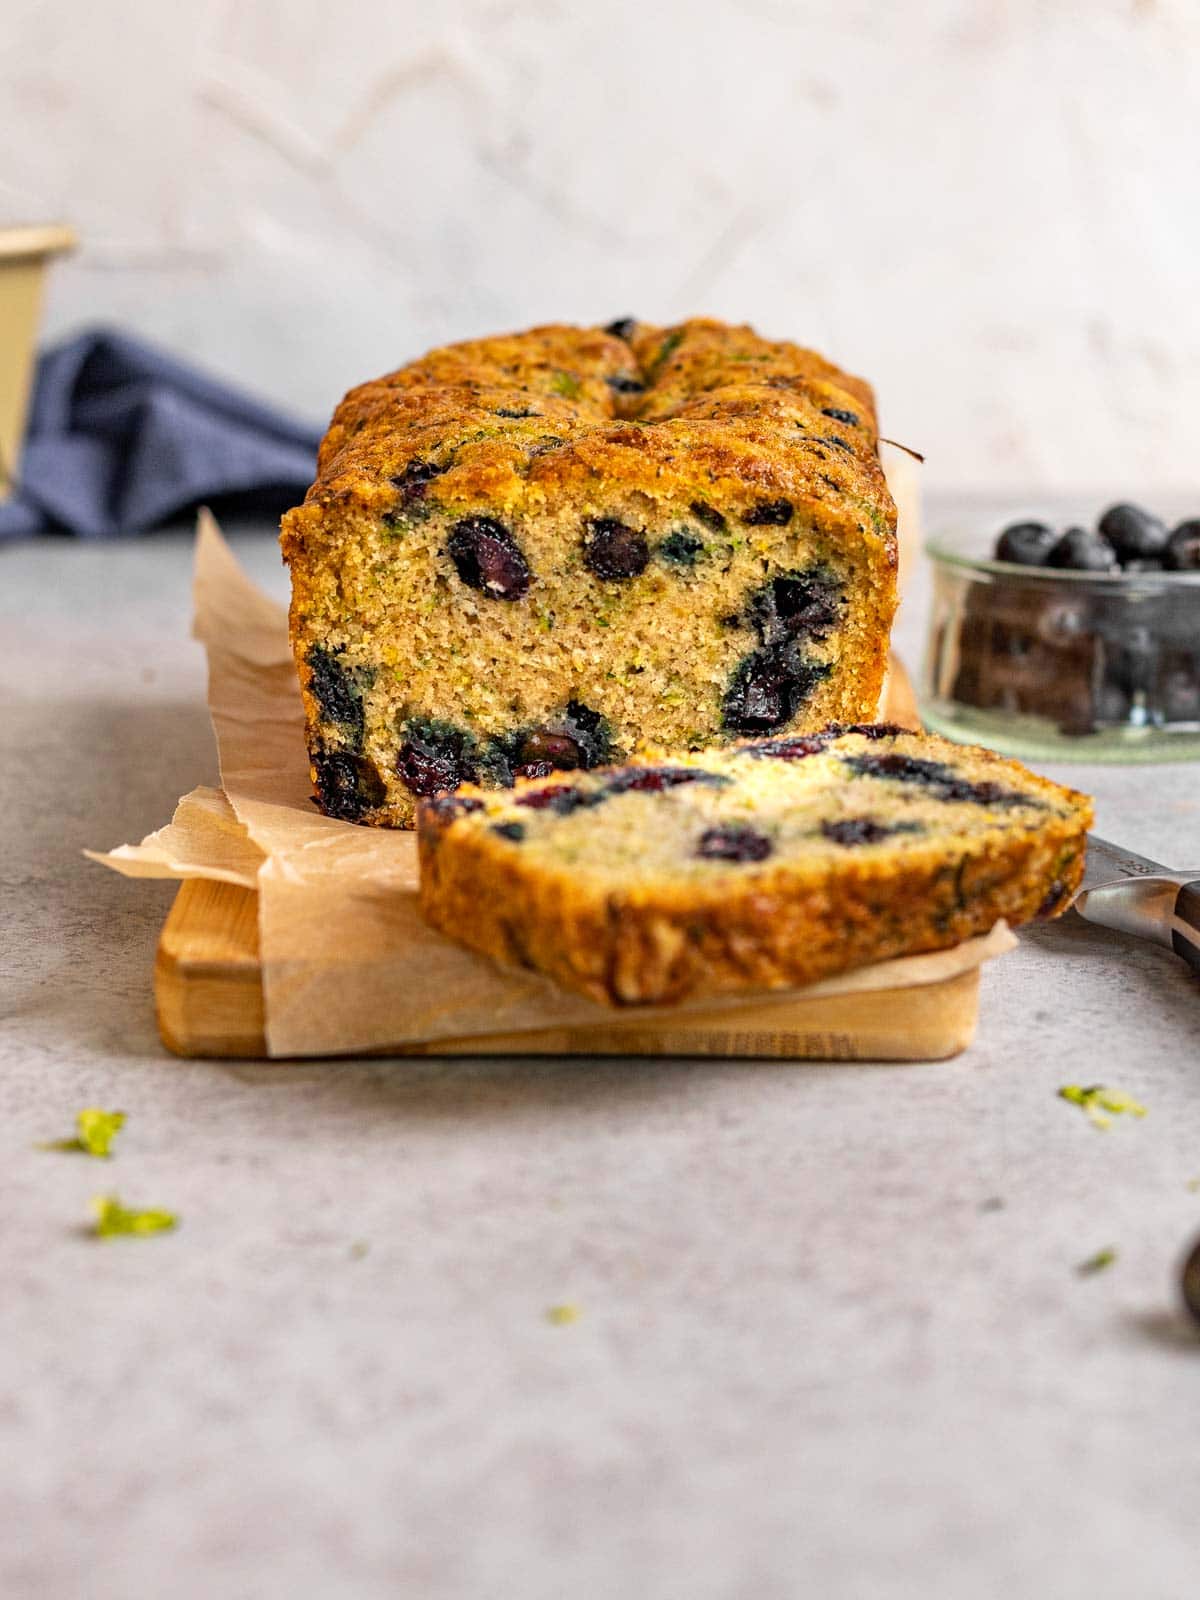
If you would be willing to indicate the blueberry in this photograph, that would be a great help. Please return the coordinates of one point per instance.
(488, 558)
(769, 514)
(540, 753)
(906, 769)
(1133, 533)
(941, 780)
(447, 808)
(869, 730)
(612, 549)
(850, 418)
(734, 841)
(798, 747)
(1190, 1282)
(1183, 548)
(561, 798)
(768, 688)
(591, 733)
(1055, 896)
(578, 737)
(335, 688)
(1026, 543)
(796, 603)
(559, 749)
(1080, 550)
(435, 757)
(708, 515)
(863, 830)
(348, 786)
(412, 480)
(621, 384)
(786, 749)
(983, 794)
(622, 328)
(653, 780)
(507, 411)
(427, 773)
(681, 549)
(509, 830)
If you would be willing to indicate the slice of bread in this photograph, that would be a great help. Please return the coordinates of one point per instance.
(766, 865)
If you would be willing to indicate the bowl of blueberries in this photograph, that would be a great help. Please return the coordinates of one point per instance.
(1065, 640)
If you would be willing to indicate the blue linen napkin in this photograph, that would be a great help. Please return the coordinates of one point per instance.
(122, 436)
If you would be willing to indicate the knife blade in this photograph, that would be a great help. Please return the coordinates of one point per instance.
(1134, 894)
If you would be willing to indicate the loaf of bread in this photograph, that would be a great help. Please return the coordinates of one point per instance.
(553, 550)
(767, 864)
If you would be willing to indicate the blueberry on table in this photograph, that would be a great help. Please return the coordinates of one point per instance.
(614, 550)
(1133, 533)
(1026, 543)
(734, 841)
(1182, 553)
(488, 558)
(1080, 550)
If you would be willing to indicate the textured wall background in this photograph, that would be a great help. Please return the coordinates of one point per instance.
(990, 208)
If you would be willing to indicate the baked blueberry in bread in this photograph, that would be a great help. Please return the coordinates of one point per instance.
(766, 864)
(549, 551)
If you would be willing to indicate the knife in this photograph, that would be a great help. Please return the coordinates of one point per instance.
(1123, 890)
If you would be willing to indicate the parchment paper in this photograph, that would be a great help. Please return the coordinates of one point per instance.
(348, 965)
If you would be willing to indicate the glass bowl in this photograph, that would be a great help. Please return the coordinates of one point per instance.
(1082, 666)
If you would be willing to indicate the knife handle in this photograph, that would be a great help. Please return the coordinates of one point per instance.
(1187, 911)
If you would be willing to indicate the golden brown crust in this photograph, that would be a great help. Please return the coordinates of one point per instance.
(730, 395)
(768, 926)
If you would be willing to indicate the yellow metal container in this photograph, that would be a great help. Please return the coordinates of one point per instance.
(24, 253)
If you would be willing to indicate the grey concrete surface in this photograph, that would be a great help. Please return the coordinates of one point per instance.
(831, 1341)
